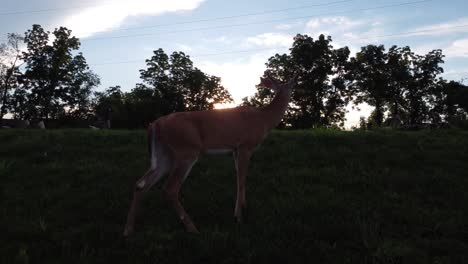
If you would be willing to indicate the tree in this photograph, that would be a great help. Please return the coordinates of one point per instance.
(77, 98)
(450, 99)
(338, 95)
(399, 70)
(321, 93)
(58, 82)
(320, 96)
(179, 86)
(19, 103)
(423, 83)
(142, 105)
(369, 72)
(170, 84)
(399, 81)
(111, 101)
(10, 55)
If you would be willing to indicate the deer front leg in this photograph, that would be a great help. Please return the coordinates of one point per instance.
(171, 192)
(242, 158)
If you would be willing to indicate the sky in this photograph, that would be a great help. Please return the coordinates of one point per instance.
(234, 39)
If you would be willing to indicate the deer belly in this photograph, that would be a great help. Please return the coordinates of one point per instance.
(217, 151)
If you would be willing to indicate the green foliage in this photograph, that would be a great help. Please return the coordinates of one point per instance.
(371, 83)
(320, 96)
(451, 98)
(403, 87)
(58, 83)
(170, 84)
(424, 74)
(400, 81)
(180, 86)
(110, 104)
(313, 196)
(9, 71)
(134, 109)
(399, 71)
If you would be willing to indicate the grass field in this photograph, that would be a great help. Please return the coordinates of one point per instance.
(312, 197)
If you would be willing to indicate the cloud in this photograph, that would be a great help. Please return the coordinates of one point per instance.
(107, 16)
(458, 48)
(184, 48)
(219, 40)
(337, 22)
(445, 28)
(271, 40)
(455, 74)
(451, 49)
(288, 26)
(353, 32)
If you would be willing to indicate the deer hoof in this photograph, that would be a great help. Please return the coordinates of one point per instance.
(128, 232)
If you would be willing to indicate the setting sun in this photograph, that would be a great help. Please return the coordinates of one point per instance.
(224, 106)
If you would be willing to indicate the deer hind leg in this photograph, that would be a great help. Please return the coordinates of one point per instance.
(140, 189)
(241, 158)
(180, 170)
(151, 177)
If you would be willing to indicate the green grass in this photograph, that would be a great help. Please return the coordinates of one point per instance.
(312, 196)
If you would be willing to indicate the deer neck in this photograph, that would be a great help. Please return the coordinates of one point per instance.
(274, 112)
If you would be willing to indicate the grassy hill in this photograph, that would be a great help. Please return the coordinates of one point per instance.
(328, 196)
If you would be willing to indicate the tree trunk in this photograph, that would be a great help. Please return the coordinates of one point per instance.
(7, 82)
(4, 98)
(395, 106)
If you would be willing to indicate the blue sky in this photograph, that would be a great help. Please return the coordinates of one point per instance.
(233, 39)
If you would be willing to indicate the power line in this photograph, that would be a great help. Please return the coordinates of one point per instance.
(414, 32)
(247, 24)
(46, 10)
(256, 23)
(264, 49)
(236, 16)
(409, 33)
(183, 22)
(195, 56)
(18, 12)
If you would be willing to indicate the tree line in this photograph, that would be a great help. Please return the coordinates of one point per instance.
(169, 84)
(403, 87)
(49, 79)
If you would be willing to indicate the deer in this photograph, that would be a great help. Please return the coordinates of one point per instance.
(176, 141)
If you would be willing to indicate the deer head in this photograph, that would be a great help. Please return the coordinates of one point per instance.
(276, 86)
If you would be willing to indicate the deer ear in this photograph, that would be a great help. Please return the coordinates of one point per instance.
(293, 80)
